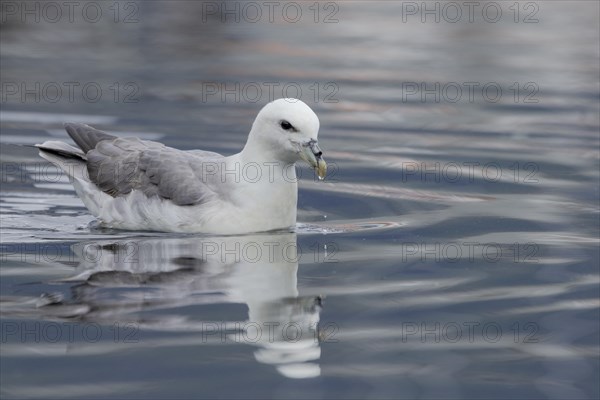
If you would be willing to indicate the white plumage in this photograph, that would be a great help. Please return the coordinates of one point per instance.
(133, 184)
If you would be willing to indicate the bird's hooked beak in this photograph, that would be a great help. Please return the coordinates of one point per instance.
(312, 154)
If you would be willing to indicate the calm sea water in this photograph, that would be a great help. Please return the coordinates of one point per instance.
(452, 253)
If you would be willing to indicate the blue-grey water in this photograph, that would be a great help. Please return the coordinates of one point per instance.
(453, 252)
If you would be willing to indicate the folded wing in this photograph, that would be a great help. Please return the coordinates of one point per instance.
(120, 165)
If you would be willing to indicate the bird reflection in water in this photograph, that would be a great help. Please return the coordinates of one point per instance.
(133, 280)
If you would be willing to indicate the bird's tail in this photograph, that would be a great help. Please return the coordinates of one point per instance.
(68, 158)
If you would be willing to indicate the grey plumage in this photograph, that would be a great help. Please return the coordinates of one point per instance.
(119, 165)
(62, 150)
(85, 136)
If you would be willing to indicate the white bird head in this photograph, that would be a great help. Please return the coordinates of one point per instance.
(287, 130)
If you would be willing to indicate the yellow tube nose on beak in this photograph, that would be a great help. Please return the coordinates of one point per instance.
(321, 168)
(312, 154)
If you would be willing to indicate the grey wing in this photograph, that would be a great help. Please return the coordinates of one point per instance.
(85, 136)
(124, 164)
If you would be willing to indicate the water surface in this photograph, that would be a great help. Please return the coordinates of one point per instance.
(452, 253)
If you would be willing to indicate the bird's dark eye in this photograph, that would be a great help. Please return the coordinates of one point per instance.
(286, 126)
